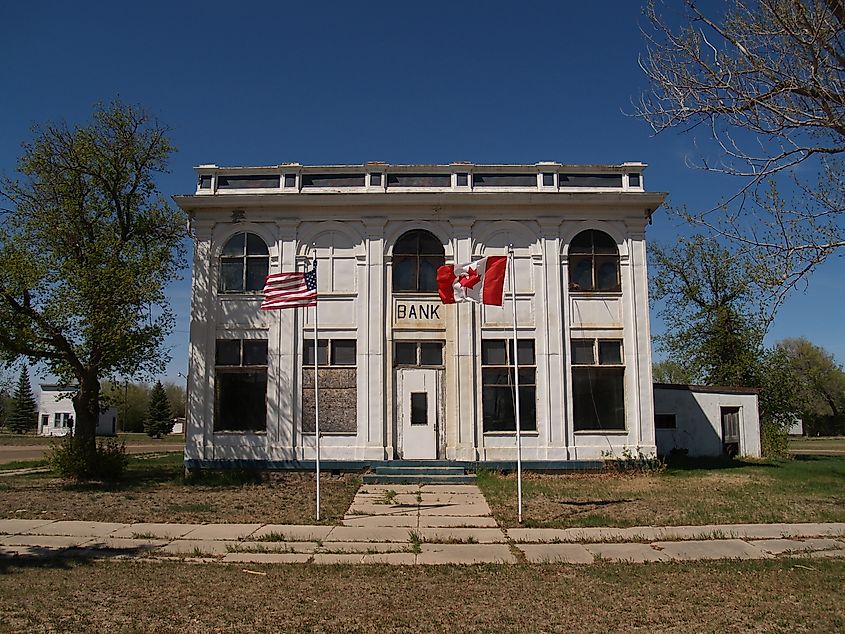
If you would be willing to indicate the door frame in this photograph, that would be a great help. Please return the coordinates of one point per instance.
(402, 393)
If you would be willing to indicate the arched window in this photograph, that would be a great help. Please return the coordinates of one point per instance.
(243, 264)
(416, 256)
(593, 262)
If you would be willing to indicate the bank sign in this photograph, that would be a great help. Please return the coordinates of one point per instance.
(418, 314)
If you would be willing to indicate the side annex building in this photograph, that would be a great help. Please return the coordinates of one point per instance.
(401, 375)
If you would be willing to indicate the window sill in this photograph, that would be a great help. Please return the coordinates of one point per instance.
(324, 434)
(601, 432)
(529, 433)
(236, 432)
(240, 295)
(595, 294)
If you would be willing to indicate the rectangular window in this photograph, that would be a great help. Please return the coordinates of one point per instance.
(419, 408)
(375, 180)
(332, 180)
(338, 385)
(462, 179)
(240, 385)
(290, 180)
(598, 385)
(633, 180)
(419, 180)
(504, 180)
(664, 421)
(248, 181)
(498, 393)
(205, 181)
(548, 179)
(418, 353)
(590, 180)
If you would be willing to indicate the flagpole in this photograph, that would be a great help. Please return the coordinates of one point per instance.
(317, 393)
(516, 388)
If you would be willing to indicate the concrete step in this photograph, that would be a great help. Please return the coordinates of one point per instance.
(426, 470)
(378, 478)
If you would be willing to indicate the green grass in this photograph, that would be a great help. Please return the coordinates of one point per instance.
(12, 439)
(22, 464)
(805, 489)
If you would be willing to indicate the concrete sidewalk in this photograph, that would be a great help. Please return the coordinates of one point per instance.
(431, 524)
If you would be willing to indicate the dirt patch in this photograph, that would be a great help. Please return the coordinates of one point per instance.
(791, 595)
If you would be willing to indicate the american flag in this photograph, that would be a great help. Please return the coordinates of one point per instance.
(290, 290)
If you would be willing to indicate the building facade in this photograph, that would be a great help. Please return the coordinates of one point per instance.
(56, 413)
(402, 376)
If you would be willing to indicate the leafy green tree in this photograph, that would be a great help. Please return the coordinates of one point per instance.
(711, 306)
(667, 371)
(177, 398)
(159, 421)
(23, 411)
(760, 85)
(820, 382)
(86, 251)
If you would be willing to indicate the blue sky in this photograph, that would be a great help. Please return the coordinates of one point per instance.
(265, 83)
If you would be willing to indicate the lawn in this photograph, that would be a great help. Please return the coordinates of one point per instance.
(787, 595)
(30, 439)
(823, 444)
(806, 489)
(155, 490)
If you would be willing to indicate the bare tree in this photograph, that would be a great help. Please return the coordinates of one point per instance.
(766, 80)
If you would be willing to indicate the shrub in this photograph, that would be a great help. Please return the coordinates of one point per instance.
(630, 462)
(69, 460)
(774, 440)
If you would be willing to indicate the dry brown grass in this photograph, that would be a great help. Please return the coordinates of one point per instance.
(759, 596)
(804, 490)
(155, 491)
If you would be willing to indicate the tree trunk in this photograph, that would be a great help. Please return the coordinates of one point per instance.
(86, 404)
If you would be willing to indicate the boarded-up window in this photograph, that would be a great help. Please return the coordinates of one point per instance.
(338, 384)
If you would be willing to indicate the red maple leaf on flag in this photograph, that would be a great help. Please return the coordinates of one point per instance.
(470, 279)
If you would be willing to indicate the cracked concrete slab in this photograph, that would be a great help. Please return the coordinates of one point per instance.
(267, 558)
(560, 553)
(75, 528)
(466, 535)
(465, 554)
(153, 530)
(691, 550)
(222, 531)
(630, 552)
(292, 532)
(14, 526)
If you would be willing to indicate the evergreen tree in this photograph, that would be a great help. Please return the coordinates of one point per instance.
(159, 417)
(22, 417)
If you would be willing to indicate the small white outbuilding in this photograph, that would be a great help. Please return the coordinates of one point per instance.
(706, 420)
(56, 414)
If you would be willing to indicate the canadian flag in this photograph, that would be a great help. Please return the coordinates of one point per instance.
(482, 281)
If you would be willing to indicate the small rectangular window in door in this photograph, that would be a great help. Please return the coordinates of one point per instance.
(419, 408)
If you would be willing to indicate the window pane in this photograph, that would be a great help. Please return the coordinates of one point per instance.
(527, 408)
(419, 408)
(408, 244)
(495, 376)
(598, 399)
(308, 352)
(431, 353)
(603, 243)
(405, 353)
(256, 272)
(228, 352)
(581, 273)
(497, 408)
(525, 348)
(493, 352)
(232, 275)
(240, 401)
(583, 352)
(255, 245)
(429, 244)
(548, 179)
(235, 245)
(405, 273)
(610, 352)
(607, 273)
(255, 352)
(582, 243)
(526, 377)
(343, 352)
(428, 273)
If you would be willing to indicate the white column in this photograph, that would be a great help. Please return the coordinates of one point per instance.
(463, 443)
(200, 414)
(374, 324)
(284, 344)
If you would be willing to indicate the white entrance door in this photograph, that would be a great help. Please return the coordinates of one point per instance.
(416, 408)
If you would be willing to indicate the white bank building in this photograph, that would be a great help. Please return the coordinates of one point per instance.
(401, 375)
